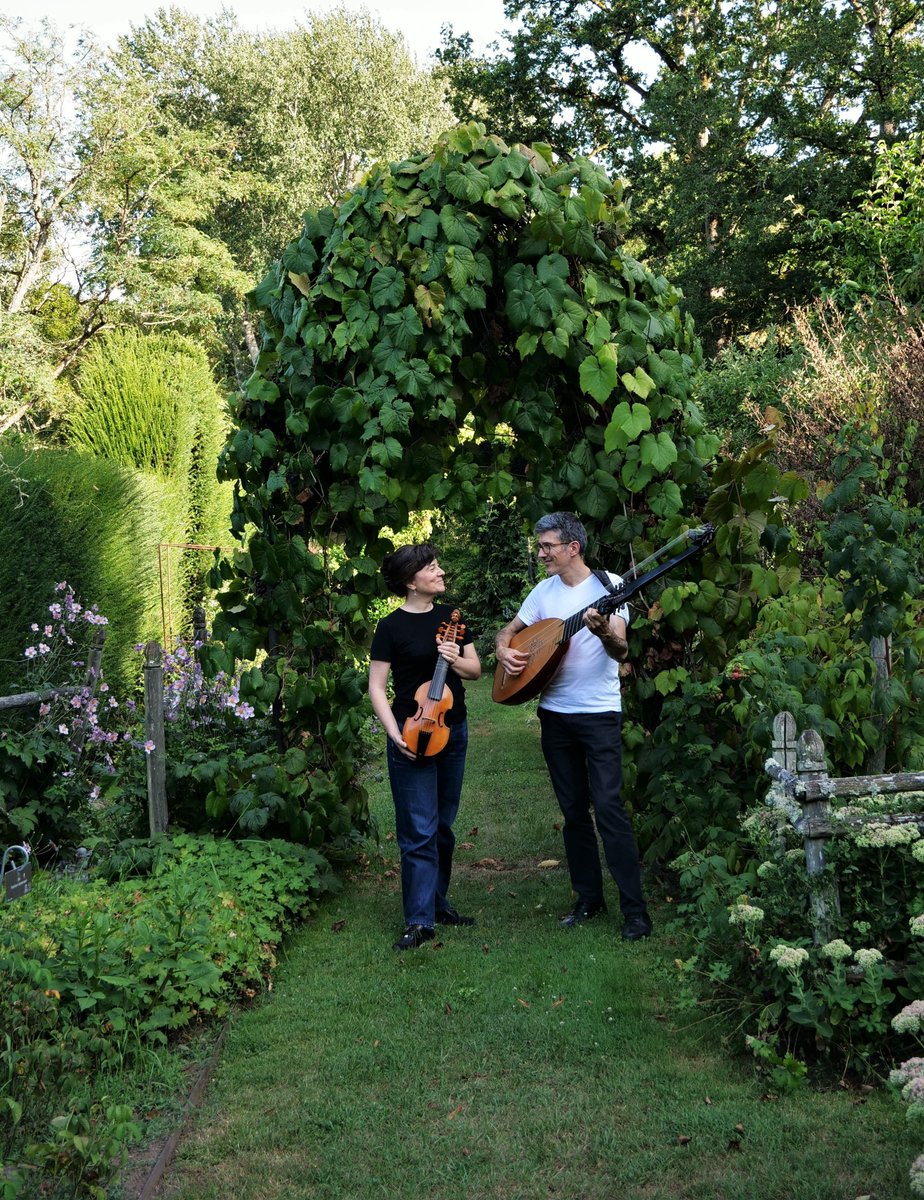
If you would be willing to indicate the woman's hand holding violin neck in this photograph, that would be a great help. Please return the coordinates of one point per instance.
(449, 650)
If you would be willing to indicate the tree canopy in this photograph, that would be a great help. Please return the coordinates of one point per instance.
(733, 122)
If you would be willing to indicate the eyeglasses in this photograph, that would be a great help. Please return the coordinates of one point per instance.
(548, 547)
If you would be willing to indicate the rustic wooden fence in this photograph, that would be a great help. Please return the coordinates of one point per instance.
(799, 767)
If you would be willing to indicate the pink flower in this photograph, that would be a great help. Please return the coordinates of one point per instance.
(148, 746)
(44, 710)
(30, 652)
(43, 649)
(63, 730)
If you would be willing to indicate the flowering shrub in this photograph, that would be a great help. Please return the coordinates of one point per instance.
(833, 1002)
(64, 759)
(72, 769)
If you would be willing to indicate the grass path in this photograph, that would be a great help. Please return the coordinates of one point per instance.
(514, 1061)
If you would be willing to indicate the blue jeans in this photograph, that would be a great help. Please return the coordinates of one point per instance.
(426, 793)
(583, 752)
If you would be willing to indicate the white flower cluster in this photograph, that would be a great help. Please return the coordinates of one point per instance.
(837, 950)
(867, 958)
(916, 1175)
(744, 914)
(917, 925)
(789, 958)
(878, 835)
(910, 1019)
(917, 850)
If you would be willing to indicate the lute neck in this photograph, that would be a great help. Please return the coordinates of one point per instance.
(575, 622)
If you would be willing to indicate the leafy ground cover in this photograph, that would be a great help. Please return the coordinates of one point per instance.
(513, 1060)
(108, 989)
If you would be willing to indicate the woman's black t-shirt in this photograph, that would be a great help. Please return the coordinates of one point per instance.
(407, 641)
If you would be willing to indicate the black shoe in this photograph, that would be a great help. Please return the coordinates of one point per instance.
(449, 916)
(414, 936)
(583, 911)
(636, 927)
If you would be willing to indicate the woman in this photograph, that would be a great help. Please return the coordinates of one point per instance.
(426, 791)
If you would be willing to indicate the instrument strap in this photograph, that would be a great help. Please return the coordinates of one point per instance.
(604, 579)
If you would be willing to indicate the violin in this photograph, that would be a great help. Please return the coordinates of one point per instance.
(426, 732)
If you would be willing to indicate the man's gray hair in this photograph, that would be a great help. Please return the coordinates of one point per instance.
(566, 524)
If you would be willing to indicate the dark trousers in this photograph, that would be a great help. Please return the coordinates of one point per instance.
(426, 793)
(583, 752)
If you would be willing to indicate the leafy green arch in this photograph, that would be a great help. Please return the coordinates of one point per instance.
(465, 326)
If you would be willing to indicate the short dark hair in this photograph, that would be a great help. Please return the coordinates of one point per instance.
(399, 569)
(565, 523)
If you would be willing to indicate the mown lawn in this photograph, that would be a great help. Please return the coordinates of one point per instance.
(514, 1061)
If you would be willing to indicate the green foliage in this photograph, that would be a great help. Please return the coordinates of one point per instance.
(736, 387)
(56, 755)
(292, 137)
(70, 516)
(384, 386)
(808, 653)
(874, 541)
(83, 151)
(94, 976)
(875, 247)
(26, 377)
(486, 560)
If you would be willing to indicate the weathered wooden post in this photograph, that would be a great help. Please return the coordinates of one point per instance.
(784, 740)
(155, 750)
(815, 827)
(94, 671)
(200, 629)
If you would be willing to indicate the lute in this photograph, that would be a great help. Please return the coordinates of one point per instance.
(546, 641)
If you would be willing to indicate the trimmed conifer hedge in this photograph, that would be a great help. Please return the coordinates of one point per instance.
(95, 523)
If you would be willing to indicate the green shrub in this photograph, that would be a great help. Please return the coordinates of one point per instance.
(65, 515)
(149, 401)
(486, 560)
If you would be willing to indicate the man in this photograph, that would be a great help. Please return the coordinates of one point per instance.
(580, 712)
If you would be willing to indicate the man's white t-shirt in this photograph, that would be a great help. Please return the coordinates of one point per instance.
(587, 679)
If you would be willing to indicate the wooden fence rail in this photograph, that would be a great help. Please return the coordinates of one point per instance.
(799, 767)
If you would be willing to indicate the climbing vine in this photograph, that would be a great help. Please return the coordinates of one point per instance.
(465, 327)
